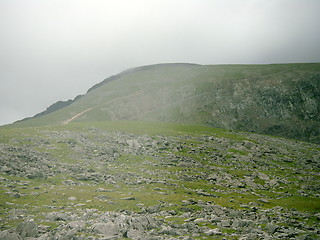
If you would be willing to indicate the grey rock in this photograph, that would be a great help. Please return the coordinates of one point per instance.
(225, 223)
(6, 235)
(203, 193)
(45, 236)
(16, 195)
(239, 223)
(77, 225)
(263, 200)
(115, 225)
(133, 234)
(305, 237)
(108, 229)
(6, 169)
(218, 210)
(28, 229)
(271, 228)
(199, 220)
(57, 216)
(36, 175)
(153, 209)
(273, 183)
(128, 198)
(103, 190)
(169, 231)
(212, 232)
(62, 234)
(142, 223)
(134, 144)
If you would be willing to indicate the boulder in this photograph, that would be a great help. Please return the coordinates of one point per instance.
(6, 235)
(271, 228)
(239, 223)
(305, 237)
(212, 232)
(36, 175)
(76, 225)
(225, 223)
(153, 209)
(168, 231)
(132, 234)
(57, 216)
(142, 223)
(218, 210)
(27, 229)
(263, 176)
(108, 229)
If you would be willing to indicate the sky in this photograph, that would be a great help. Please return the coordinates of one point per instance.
(52, 50)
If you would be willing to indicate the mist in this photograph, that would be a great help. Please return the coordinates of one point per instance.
(55, 50)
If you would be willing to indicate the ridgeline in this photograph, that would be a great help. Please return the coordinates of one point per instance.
(277, 99)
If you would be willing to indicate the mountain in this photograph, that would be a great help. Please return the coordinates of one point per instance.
(276, 99)
(138, 157)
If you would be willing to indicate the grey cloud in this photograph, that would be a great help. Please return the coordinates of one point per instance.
(55, 50)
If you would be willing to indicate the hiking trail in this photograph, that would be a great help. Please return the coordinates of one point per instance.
(89, 109)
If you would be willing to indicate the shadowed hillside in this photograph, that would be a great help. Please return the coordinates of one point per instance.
(278, 99)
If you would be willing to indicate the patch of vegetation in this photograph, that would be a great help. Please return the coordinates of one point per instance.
(173, 171)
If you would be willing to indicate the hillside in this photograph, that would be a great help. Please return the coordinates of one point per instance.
(276, 99)
(152, 180)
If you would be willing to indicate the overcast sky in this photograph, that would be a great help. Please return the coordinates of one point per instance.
(53, 50)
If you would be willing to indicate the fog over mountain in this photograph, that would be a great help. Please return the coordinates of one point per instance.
(275, 99)
(55, 50)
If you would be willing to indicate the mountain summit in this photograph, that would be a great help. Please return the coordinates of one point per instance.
(275, 99)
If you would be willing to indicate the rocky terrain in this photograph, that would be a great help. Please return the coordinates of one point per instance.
(143, 180)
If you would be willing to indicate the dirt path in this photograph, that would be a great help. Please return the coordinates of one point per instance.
(87, 110)
(78, 115)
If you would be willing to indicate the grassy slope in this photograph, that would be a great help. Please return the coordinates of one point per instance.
(76, 149)
(279, 99)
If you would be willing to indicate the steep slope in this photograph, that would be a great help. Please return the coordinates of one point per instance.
(281, 100)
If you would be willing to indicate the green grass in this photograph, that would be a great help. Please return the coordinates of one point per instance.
(298, 202)
(172, 188)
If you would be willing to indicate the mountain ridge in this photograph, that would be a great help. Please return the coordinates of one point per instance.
(276, 99)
